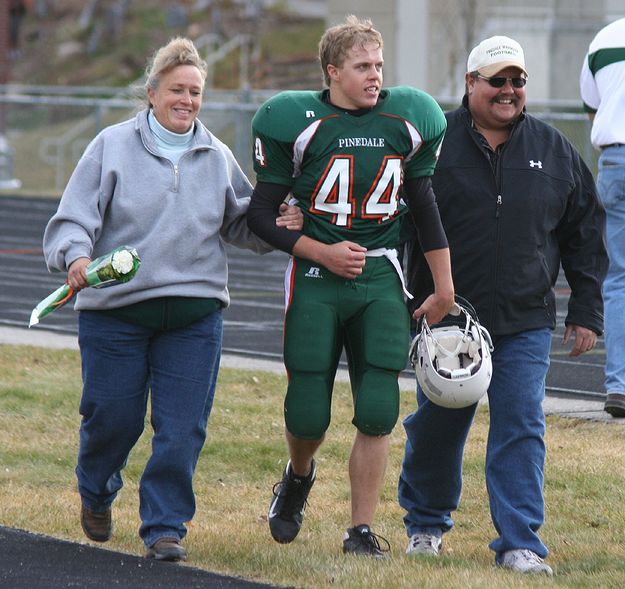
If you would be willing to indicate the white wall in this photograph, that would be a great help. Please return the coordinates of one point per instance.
(427, 41)
(383, 14)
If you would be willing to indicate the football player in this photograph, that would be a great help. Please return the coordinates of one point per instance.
(352, 157)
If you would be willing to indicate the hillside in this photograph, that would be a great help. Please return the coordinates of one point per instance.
(107, 42)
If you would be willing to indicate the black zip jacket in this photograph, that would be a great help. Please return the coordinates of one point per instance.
(510, 227)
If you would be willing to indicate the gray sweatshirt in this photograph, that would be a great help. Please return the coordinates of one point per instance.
(176, 216)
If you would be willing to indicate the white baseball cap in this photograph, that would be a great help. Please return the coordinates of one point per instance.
(495, 54)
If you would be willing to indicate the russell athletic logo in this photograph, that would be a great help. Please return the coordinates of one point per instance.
(313, 272)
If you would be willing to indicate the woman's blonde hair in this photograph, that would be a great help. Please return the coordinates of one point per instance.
(179, 51)
(338, 40)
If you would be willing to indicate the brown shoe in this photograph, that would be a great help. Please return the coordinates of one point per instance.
(168, 549)
(97, 525)
(615, 404)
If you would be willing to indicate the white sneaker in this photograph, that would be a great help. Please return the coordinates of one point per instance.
(524, 561)
(422, 543)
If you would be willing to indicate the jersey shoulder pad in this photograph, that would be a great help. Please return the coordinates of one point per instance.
(286, 114)
(417, 107)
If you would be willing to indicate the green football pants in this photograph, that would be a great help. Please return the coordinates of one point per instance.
(326, 314)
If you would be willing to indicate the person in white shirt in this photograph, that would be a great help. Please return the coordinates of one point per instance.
(602, 85)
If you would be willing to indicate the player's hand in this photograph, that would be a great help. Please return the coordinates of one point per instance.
(290, 217)
(346, 259)
(77, 274)
(435, 307)
(585, 339)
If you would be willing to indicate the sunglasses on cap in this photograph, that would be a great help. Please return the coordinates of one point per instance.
(499, 81)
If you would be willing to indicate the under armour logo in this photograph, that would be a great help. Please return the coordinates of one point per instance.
(537, 164)
(314, 272)
(310, 114)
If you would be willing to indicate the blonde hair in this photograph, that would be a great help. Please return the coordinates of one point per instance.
(179, 51)
(338, 40)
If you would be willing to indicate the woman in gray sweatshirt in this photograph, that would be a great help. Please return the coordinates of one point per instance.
(164, 184)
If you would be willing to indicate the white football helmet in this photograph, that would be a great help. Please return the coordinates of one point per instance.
(453, 364)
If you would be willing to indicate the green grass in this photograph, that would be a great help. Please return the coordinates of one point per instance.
(294, 40)
(244, 456)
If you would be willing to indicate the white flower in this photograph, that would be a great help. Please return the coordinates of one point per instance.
(122, 261)
(120, 265)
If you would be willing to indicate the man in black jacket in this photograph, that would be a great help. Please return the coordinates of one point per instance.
(516, 201)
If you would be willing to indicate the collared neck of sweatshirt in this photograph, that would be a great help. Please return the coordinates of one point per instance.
(170, 145)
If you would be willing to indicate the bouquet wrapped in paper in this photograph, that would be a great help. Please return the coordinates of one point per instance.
(120, 265)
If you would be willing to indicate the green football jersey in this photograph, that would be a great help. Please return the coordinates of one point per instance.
(346, 171)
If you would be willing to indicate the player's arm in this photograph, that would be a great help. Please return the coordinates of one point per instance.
(421, 202)
(346, 259)
(262, 212)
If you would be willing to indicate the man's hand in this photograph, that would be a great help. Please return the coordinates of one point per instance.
(585, 339)
(77, 274)
(290, 217)
(346, 258)
(435, 307)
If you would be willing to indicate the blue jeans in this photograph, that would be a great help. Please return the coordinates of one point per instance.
(121, 364)
(611, 188)
(430, 482)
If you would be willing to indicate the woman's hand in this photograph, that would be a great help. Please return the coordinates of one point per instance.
(77, 274)
(290, 217)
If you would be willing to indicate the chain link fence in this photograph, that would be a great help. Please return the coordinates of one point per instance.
(48, 128)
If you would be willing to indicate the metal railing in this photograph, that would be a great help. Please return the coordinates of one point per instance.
(48, 127)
